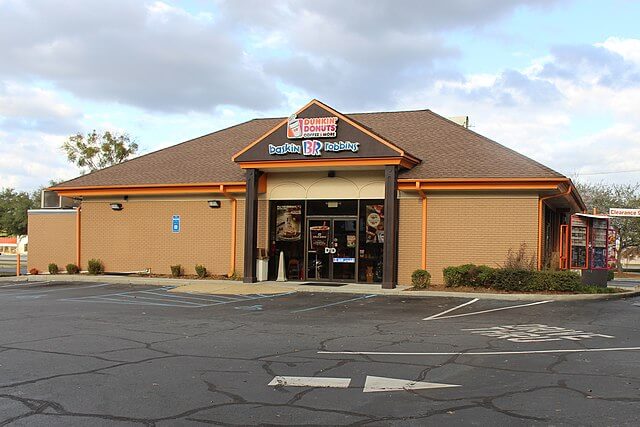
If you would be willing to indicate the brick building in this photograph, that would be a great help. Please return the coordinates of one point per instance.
(366, 197)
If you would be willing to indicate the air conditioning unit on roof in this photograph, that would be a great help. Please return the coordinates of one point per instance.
(51, 200)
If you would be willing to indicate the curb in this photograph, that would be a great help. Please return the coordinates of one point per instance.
(348, 289)
(121, 280)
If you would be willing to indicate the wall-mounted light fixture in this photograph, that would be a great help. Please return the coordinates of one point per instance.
(214, 204)
(116, 206)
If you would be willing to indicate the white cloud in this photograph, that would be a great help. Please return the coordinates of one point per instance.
(158, 56)
(572, 119)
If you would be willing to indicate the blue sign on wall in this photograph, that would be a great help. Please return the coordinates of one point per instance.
(175, 223)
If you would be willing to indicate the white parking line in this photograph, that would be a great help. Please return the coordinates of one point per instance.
(119, 301)
(489, 311)
(40, 291)
(165, 300)
(186, 297)
(481, 353)
(451, 309)
(310, 382)
(332, 304)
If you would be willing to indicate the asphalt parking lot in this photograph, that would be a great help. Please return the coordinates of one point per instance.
(99, 354)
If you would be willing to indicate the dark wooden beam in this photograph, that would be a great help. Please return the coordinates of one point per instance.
(251, 225)
(390, 248)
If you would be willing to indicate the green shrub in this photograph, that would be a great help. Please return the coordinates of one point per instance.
(610, 275)
(453, 276)
(53, 268)
(486, 276)
(549, 280)
(420, 279)
(507, 279)
(201, 271)
(469, 275)
(72, 269)
(176, 270)
(95, 266)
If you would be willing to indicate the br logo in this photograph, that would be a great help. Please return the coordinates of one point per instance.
(311, 147)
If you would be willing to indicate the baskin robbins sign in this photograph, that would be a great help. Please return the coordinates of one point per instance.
(308, 128)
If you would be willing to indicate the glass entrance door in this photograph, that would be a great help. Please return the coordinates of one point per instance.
(332, 249)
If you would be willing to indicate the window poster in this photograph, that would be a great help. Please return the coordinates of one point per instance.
(318, 237)
(288, 223)
(375, 223)
(578, 244)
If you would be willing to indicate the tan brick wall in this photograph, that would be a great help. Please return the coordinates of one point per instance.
(140, 236)
(409, 239)
(263, 232)
(52, 238)
(240, 239)
(478, 229)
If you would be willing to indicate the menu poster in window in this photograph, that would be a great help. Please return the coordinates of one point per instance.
(578, 243)
(318, 237)
(375, 223)
(612, 254)
(288, 219)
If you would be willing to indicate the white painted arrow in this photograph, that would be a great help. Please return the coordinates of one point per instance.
(310, 382)
(373, 384)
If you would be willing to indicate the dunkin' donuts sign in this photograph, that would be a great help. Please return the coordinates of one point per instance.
(311, 127)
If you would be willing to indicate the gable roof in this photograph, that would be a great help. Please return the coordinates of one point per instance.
(446, 150)
(371, 144)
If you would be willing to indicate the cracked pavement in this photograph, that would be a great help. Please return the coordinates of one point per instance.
(72, 354)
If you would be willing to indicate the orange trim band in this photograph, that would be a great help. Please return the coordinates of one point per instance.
(78, 236)
(487, 179)
(279, 164)
(147, 191)
(478, 186)
(190, 184)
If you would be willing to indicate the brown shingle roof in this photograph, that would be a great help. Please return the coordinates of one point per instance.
(447, 150)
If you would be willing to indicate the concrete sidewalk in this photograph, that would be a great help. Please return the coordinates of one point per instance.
(231, 287)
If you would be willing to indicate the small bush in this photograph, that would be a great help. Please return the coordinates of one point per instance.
(469, 275)
(566, 281)
(520, 260)
(201, 271)
(453, 276)
(95, 266)
(176, 270)
(514, 280)
(610, 275)
(73, 269)
(420, 279)
(53, 268)
(34, 271)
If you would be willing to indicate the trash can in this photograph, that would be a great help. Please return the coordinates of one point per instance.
(262, 265)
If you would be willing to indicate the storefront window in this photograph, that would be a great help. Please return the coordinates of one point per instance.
(287, 235)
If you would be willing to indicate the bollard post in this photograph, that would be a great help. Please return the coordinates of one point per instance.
(17, 263)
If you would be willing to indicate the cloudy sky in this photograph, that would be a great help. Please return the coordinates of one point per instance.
(556, 80)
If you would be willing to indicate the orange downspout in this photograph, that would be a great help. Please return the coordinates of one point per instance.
(234, 226)
(423, 246)
(78, 228)
(541, 201)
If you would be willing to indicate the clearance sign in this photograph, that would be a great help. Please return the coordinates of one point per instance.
(311, 127)
(624, 212)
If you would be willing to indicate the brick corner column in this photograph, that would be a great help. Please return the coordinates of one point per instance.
(251, 225)
(390, 248)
